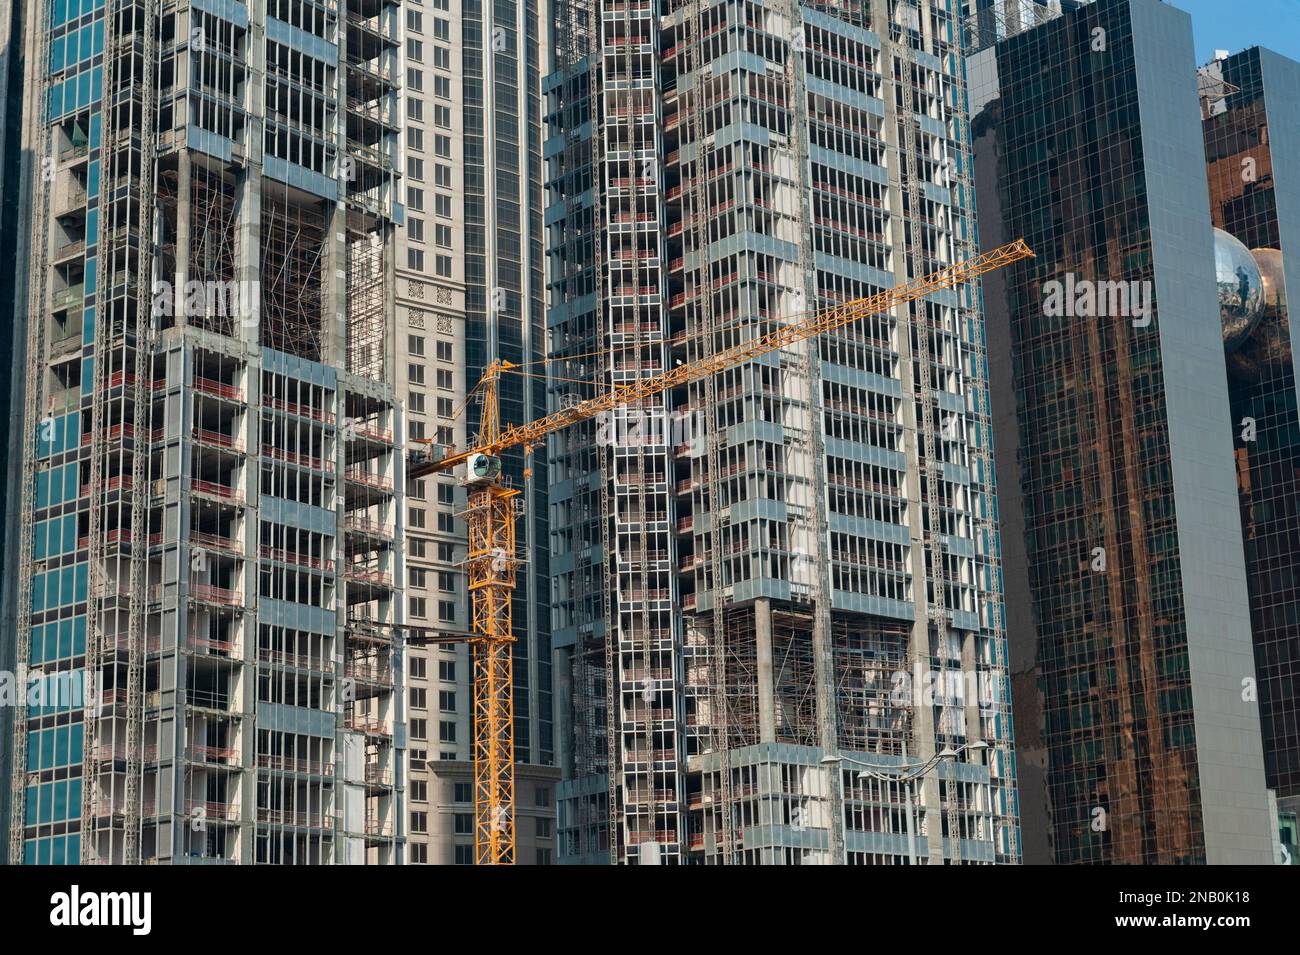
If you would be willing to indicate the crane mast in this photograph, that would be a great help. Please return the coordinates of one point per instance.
(491, 560)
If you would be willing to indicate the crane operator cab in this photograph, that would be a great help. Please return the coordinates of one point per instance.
(481, 469)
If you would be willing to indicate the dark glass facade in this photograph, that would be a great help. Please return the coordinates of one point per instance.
(1248, 189)
(1111, 430)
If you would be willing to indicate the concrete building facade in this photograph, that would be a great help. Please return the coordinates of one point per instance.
(212, 489)
(761, 579)
(468, 290)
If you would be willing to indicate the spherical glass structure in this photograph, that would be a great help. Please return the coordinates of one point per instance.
(1241, 289)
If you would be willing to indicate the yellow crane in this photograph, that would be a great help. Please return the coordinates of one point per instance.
(490, 518)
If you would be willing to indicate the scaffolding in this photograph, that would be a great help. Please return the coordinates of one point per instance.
(294, 234)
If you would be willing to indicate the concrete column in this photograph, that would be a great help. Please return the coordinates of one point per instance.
(766, 681)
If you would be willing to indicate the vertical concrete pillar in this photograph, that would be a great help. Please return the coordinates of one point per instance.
(766, 680)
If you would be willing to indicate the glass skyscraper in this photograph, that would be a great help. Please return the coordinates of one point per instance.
(1251, 124)
(1130, 621)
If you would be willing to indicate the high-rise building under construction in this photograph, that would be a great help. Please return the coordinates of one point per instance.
(777, 591)
(213, 471)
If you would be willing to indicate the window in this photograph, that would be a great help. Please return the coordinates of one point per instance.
(415, 168)
(419, 822)
(415, 199)
(415, 137)
(415, 344)
(414, 79)
(543, 827)
(441, 58)
(415, 402)
(418, 757)
(444, 379)
(441, 29)
(418, 667)
(462, 792)
(417, 545)
(415, 374)
(442, 235)
(442, 175)
(464, 824)
(443, 351)
(415, 21)
(415, 489)
(442, 144)
(448, 525)
(414, 109)
(542, 796)
(442, 87)
(442, 205)
(442, 266)
(419, 853)
(445, 410)
(414, 51)
(416, 515)
(446, 731)
(447, 703)
(419, 698)
(446, 492)
(415, 229)
(419, 729)
(442, 118)
(419, 607)
(415, 429)
(415, 260)
(543, 856)
(447, 670)
(446, 581)
(464, 855)
(446, 553)
(447, 611)
(417, 578)
(419, 790)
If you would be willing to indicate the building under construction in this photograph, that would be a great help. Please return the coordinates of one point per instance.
(213, 473)
(777, 590)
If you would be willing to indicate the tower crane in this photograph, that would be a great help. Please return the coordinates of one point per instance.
(491, 510)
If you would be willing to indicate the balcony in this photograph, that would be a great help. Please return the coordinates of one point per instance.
(369, 479)
(222, 597)
(217, 439)
(300, 459)
(295, 818)
(369, 725)
(302, 411)
(358, 524)
(215, 542)
(217, 389)
(212, 646)
(369, 671)
(213, 755)
(213, 812)
(294, 764)
(298, 559)
(219, 491)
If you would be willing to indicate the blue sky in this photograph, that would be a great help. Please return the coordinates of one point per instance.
(1234, 25)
